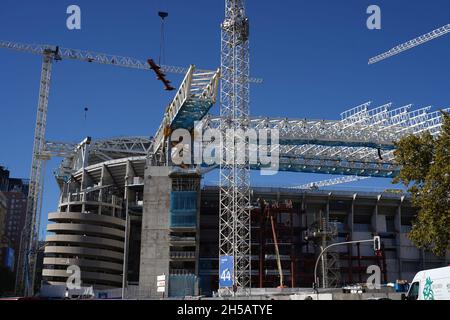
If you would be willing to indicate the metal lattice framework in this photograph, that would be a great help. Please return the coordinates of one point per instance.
(195, 97)
(86, 153)
(361, 143)
(109, 149)
(29, 238)
(359, 127)
(96, 57)
(330, 182)
(344, 157)
(234, 216)
(412, 43)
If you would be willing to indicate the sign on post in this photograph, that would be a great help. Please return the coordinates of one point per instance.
(161, 283)
(226, 267)
(161, 278)
(376, 243)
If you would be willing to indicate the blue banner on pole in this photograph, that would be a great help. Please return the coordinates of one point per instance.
(226, 267)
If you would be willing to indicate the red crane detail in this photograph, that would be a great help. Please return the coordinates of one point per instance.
(159, 75)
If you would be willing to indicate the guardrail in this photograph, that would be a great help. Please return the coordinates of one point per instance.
(182, 255)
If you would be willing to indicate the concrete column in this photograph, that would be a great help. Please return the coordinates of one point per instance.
(155, 247)
(86, 180)
(398, 231)
(126, 246)
(197, 242)
(374, 221)
(351, 216)
(351, 220)
(84, 183)
(328, 207)
(130, 173)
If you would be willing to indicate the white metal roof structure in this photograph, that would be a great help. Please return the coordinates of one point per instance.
(361, 143)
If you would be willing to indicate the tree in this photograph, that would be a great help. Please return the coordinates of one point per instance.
(425, 171)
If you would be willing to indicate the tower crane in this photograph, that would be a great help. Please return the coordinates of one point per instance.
(412, 43)
(50, 53)
(57, 53)
(234, 213)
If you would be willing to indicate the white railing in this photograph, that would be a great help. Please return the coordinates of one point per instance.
(182, 255)
(208, 85)
(180, 98)
(210, 91)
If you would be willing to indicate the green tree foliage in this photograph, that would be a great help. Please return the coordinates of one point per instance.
(425, 163)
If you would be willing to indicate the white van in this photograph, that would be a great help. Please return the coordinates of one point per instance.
(433, 284)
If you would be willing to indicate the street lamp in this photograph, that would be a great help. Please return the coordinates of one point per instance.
(376, 246)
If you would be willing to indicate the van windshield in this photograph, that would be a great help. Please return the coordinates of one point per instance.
(413, 293)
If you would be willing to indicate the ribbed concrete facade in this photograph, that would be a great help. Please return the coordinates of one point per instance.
(93, 242)
(88, 231)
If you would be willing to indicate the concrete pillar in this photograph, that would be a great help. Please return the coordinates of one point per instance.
(351, 216)
(328, 207)
(85, 180)
(374, 220)
(155, 249)
(398, 232)
(130, 173)
(351, 220)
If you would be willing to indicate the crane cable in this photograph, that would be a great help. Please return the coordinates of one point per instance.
(162, 50)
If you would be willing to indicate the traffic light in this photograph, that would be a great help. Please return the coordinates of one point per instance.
(376, 243)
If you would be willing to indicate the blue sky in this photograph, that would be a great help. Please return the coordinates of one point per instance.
(312, 55)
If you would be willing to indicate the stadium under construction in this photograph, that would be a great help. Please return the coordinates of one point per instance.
(135, 221)
(125, 221)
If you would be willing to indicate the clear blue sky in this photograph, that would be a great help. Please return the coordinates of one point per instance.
(312, 55)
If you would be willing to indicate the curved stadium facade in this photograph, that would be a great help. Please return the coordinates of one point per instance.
(88, 230)
(125, 222)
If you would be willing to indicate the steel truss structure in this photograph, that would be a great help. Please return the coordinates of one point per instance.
(234, 215)
(361, 143)
(330, 182)
(29, 239)
(412, 43)
(87, 152)
(344, 157)
(359, 127)
(193, 100)
(101, 58)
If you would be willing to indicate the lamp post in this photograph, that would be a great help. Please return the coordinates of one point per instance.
(375, 240)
